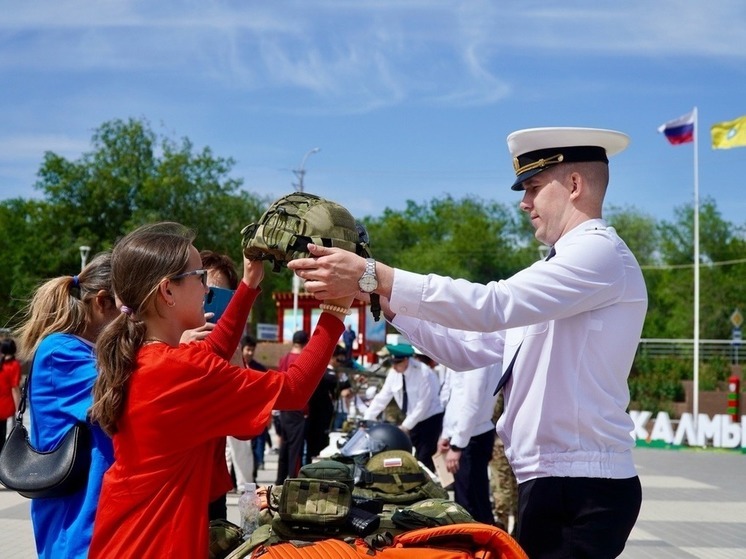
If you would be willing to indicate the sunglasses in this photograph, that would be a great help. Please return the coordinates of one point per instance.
(201, 273)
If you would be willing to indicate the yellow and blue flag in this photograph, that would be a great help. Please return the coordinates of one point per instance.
(729, 134)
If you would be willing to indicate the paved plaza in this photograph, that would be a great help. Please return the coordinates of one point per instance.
(694, 506)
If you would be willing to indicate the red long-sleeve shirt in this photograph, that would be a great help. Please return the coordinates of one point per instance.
(181, 401)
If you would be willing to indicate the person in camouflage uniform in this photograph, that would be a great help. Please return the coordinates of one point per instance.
(502, 479)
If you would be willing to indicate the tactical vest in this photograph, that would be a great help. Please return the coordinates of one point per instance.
(310, 509)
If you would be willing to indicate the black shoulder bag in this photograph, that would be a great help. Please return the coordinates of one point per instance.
(55, 473)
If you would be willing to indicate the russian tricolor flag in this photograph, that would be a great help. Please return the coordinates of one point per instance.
(680, 130)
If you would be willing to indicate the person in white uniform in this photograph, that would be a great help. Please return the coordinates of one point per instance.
(468, 437)
(414, 387)
(566, 330)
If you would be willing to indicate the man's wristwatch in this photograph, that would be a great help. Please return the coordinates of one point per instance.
(368, 281)
(456, 448)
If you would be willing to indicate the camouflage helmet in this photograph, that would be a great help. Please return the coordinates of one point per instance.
(293, 221)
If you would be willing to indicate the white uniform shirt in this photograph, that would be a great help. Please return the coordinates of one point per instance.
(471, 404)
(422, 394)
(577, 319)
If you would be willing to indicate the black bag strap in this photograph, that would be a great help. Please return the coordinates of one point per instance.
(24, 394)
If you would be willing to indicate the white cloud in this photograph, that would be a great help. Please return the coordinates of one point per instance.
(34, 146)
(354, 56)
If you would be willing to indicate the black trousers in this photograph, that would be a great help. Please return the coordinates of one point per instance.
(471, 483)
(218, 509)
(293, 431)
(424, 437)
(564, 517)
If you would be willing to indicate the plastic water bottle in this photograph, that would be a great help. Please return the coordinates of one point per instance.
(248, 508)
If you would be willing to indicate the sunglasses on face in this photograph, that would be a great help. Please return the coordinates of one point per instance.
(201, 273)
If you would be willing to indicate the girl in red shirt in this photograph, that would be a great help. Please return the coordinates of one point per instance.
(168, 405)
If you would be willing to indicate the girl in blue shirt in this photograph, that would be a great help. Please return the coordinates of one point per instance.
(61, 325)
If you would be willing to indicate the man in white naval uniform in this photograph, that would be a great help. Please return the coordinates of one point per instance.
(568, 328)
(414, 387)
(468, 437)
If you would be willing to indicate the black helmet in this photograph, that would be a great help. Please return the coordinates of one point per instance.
(376, 438)
(390, 435)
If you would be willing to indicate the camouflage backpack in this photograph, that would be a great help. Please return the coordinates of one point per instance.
(395, 476)
(293, 221)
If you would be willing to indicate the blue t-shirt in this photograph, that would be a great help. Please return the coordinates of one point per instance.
(61, 393)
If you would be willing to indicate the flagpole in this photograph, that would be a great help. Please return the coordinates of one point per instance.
(696, 270)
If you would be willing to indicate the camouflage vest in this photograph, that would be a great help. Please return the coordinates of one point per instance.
(393, 521)
(318, 504)
(314, 502)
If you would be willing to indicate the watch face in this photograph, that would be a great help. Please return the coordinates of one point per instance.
(368, 283)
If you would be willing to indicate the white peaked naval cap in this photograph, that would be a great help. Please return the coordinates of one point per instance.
(536, 149)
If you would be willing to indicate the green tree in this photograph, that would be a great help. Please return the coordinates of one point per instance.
(638, 230)
(466, 238)
(721, 247)
(130, 177)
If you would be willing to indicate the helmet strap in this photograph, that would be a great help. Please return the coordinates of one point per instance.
(375, 306)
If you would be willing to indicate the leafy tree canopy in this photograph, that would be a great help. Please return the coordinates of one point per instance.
(133, 176)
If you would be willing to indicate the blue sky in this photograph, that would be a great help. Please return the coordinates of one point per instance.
(406, 99)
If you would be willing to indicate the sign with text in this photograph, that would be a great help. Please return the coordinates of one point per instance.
(719, 431)
(266, 332)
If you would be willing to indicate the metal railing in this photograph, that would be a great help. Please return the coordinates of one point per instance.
(684, 348)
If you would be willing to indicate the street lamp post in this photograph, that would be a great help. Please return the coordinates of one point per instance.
(84, 252)
(300, 173)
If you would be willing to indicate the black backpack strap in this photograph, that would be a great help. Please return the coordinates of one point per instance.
(368, 478)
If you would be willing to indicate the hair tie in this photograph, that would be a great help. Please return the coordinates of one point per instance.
(76, 281)
(126, 310)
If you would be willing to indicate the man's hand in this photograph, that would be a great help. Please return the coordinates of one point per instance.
(331, 273)
(443, 446)
(452, 459)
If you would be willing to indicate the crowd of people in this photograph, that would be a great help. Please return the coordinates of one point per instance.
(179, 410)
